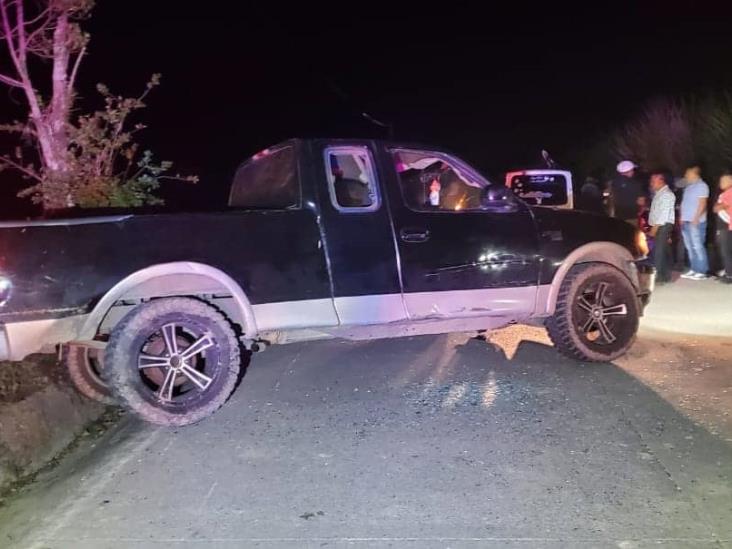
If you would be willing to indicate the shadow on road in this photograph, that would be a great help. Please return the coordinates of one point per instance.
(415, 442)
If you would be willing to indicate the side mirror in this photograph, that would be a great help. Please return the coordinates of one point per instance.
(496, 198)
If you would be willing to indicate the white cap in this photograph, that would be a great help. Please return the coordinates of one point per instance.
(625, 166)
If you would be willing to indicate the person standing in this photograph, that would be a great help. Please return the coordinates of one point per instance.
(694, 223)
(723, 209)
(661, 220)
(625, 191)
(590, 196)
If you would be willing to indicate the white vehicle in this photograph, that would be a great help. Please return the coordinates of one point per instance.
(542, 187)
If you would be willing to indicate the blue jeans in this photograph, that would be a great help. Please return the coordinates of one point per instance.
(694, 238)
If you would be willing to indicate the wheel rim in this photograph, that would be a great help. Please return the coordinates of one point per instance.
(178, 363)
(601, 313)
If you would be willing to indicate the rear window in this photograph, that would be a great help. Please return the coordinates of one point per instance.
(540, 189)
(267, 181)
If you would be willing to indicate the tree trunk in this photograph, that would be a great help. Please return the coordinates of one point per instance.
(54, 137)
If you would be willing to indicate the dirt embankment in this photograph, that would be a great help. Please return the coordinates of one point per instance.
(41, 414)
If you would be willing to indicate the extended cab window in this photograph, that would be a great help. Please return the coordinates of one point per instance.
(268, 180)
(351, 179)
(436, 182)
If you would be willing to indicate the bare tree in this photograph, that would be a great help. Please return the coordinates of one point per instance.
(661, 137)
(712, 128)
(47, 31)
(79, 159)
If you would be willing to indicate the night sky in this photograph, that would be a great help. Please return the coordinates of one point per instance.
(495, 87)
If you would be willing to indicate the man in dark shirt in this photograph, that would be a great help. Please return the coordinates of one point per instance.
(625, 190)
(590, 197)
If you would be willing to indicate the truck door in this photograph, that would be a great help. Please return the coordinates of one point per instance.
(466, 248)
(357, 234)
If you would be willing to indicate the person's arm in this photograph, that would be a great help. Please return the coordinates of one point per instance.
(725, 202)
(700, 209)
(610, 202)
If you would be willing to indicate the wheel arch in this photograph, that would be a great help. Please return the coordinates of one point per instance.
(610, 253)
(168, 280)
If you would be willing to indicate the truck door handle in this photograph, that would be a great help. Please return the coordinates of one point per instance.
(414, 235)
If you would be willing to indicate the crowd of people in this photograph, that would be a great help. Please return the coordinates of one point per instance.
(674, 215)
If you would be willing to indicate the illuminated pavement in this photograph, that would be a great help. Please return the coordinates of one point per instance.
(691, 307)
(434, 441)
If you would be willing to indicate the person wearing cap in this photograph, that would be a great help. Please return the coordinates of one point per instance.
(625, 193)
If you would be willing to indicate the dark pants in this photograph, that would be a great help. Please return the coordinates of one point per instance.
(724, 241)
(662, 253)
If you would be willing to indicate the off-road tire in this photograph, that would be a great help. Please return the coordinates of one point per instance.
(85, 374)
(565, 327)
(124, 355)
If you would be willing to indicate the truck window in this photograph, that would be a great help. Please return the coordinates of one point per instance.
(268, 180)
(351, 179)
(435, 182)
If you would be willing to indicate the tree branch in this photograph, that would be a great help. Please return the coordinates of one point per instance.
(8, 32)
(38, 17)
(20, 26)
(20, 168)
(20, 67)
(10, 81)
(75, 70)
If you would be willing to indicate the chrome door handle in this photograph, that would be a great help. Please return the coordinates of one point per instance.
(414, 235)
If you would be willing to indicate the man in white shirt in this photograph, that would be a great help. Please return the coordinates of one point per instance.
(661, 219)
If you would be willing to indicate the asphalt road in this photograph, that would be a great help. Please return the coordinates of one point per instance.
(429, 442)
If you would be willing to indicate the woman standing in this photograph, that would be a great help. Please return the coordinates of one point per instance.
(723, 209)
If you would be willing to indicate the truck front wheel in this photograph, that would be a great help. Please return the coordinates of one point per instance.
(172, 361)
(597, 312)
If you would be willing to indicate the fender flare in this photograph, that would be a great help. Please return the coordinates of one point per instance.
(162, 270)
(598, 252)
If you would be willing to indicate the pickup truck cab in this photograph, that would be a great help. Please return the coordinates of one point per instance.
(355, 239)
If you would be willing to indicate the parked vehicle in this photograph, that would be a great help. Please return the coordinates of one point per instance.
(354, 239)
(542, 187)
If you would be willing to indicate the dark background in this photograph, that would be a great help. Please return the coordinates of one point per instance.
(494, 86)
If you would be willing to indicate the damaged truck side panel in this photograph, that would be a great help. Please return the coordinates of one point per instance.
(348, 238)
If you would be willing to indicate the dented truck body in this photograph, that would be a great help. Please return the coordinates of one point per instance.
(321, 238)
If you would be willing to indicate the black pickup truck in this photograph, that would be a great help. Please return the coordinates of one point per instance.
(355, 239)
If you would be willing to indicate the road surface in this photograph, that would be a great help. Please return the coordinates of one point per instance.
(428, 442)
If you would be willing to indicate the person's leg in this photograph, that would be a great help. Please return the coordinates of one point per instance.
(687, 237)
(680, 263)
(662, 253)
(696, 247)
(727, 253)
(701, 242)
(721, 238)
(657, 254)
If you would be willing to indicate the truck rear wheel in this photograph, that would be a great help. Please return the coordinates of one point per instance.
(85, 364)
(597, 312)
(172, 361)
